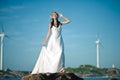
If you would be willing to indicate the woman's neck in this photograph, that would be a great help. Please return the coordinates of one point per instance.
(55, 20)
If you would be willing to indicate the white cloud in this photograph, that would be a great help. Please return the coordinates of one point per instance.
(4, 17)
(80, 36)
(16, 7)
(5, 10)
(29, 20)
(11, 8)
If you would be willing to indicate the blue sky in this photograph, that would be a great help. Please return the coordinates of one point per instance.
(26, 23)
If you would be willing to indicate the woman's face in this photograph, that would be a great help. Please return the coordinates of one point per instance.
(55, 15)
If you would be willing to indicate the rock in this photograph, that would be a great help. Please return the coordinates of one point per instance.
(113, 78)
(52, 76)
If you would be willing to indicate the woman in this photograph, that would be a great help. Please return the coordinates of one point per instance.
(51, 58)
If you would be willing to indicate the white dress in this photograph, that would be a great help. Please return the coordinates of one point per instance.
(51, 58)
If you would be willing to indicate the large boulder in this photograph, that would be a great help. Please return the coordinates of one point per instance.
(52, 76)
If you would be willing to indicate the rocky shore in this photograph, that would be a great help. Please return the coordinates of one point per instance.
(81, 71)
(46, 76)
(12, 74)
(52, 76)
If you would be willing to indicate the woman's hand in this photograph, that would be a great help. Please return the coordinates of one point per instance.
(66, 19)
(44, 44)
(60, 15)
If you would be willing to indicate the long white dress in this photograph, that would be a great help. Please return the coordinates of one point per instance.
(51, 58)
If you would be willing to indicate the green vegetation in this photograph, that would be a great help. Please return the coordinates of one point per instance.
(82, 71)
(92, 71)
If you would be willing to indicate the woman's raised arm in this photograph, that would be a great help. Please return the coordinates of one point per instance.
(66, 19)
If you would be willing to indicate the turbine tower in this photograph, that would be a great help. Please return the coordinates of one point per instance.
(98, 52)
(2, 35)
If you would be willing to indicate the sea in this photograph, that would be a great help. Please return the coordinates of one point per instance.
(83, 78)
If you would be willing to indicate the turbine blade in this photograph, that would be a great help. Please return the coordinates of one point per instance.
(7, 36)
(2, 28)
(101, 44)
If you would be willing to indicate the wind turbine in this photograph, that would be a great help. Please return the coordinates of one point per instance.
(98, 53)
(2, 35)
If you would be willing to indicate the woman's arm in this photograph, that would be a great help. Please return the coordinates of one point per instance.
(47, 37)
(66, 19)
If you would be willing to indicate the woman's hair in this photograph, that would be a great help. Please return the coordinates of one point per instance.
(52, 22)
